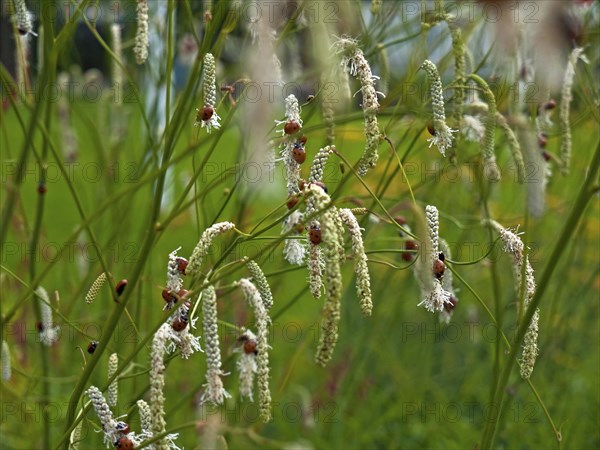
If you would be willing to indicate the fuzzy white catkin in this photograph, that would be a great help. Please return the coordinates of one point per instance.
(443, 133)
(514, 246)
(565, 105)
(247, 367)
(145, 416)
(332, 253)
(209, 89)
(215, 393)
(353, 60)
(117, 71)
(23, 18)
(203, 246)
(109, 424)
(318, 165)
(294, 250)
(174, 280)
(6, 364)
(49, 333)
(141, 36)
(113, 388)
(292, 168)
(434, 295)
(261, 283)
(363, 279)
(252, 296)
(157, 383)
(95, 288)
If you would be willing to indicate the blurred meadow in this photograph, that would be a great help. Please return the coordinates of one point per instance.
(98, 176)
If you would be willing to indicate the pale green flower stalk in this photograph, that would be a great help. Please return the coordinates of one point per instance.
(203, 246)
(292, 168)
(49, 333)
(113, 389)
(262, 347)
(442, 136)
(513, 245)
(117, 72)
(261, 283)
(95, 288)
(6, 366)
(247, 365)
(141, 36)
(363, 279)
(490, 166)
(208, 117)
(109, 424)
(355, 62)
(215, 393)
(565, 105)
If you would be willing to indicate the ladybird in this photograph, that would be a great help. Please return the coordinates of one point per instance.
(168, 296)
(120, 287)
(542, 140)
(205, 114)
(303, 139)
(299, 153)
(181, 264)
(41, 188)
(123, 427)
(431, 129)
(410, 246)
(550, 105)
(438, 268)
(92, 347)
(124, 443)
(451, 305)
(314, 234)
(250, 346)
(292, 201)
(180, 323)
(546, 156)
(291, 127)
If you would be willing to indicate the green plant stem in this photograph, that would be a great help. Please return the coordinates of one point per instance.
(585, 194)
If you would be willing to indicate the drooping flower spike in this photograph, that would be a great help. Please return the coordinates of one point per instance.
(442, 133)
(207, 117)
(354, 61)
(141, 36)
